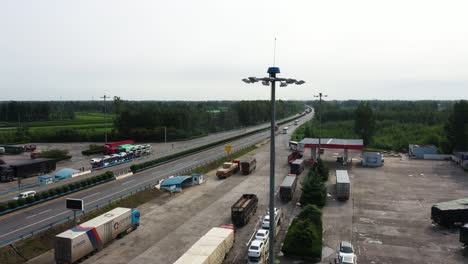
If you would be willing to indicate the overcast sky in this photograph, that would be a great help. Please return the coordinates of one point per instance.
(200, 50)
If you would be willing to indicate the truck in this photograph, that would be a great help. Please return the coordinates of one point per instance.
(296, 122)
(243, 209)
(26, 168)
(285, 130)
(288, 187)
(297, 166)
(211, 248)
(342, 185)
(294, 156)
(247, 166)
(109, 148)
(227, 170)
(450, 212)
(464, 234)
(82, 240)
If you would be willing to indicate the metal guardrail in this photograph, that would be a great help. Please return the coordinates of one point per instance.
(19, 188)
(122, 171)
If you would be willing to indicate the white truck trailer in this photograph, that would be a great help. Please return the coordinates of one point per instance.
(343, 185)
(211, 248)
(81, 240)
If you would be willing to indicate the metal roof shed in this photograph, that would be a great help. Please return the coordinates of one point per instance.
(176, 183)
(65, 173)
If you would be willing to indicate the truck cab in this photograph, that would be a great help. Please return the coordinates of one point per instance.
(135, 218)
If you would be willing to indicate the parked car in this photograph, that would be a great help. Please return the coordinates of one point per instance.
(24, 195)
(345, 253)
(262, 234)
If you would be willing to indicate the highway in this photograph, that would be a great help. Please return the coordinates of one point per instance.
(28, 220)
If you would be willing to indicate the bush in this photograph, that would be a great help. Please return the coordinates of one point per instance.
(29, 199)
(52, 192)
(38, 196)
(21, 201)
(12, 204)
(303, 239)
(45, 194)
(57, 154)
(89, 181)
(65, 188)
(314, 191)
(3, 207)
(93, 149)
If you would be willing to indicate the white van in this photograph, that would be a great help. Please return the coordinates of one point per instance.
(24, 195)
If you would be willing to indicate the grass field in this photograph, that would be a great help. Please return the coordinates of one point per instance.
(81, 119)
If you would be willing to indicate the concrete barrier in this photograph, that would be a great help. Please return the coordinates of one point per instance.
(81, 173)
(124, 176)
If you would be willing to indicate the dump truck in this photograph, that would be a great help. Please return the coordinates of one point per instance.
(247, 166)
(80, 241)
(288, 187)
(26, 168)
(294, 156)
(464, 235)
(342, 185)
(227, 170)
(451, 212)
(211, 248)
(243, 209)
(297, 166)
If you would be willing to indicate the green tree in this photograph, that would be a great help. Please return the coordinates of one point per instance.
(313, 191)
(303, 239)
(364, 122)
(456, 127)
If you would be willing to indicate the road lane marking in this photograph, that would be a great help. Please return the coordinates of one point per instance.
(24, 227)
(128, 182)
(31, 216)
(91, 195)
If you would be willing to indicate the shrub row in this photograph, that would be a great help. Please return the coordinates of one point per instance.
(44, 195)
(93, 149)
(151, 163)
(304, 236)
(314, 190)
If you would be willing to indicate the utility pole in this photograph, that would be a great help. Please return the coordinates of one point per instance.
(165, 136)
(105, 118)
(320, 95)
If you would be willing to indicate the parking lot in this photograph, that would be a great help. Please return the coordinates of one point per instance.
(388, 215)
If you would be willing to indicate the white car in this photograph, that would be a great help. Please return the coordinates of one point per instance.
(345, 253)
(257, 251)
(262, 234)
(25, 195)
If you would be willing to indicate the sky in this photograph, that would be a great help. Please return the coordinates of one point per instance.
(200, 50)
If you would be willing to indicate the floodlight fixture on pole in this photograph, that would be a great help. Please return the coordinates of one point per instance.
(320, 95)
(272, 79)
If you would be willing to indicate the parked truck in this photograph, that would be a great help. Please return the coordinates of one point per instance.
(211, 248)
(464, 235)
(247, 166)
(109, 148)
(26, 168)
(227, 170)
(342, 185)
(294, 156)
(243, 209)
(79, 241)
(297, 166)
(451, 212)
(288, 187)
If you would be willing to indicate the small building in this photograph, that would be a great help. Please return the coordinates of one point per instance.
(45, 179)
(372, 159)
(177, 183)
(418, 151)
(65, 173)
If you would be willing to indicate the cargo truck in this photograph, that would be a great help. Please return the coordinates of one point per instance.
(227, 170)
(109, 148)
(297, 166)
(294, 156)
(342, 185)
(288, 187)
(211, 248)
(451, 212)
(247, 166)
(79, 241)
(26, 168)
(243, 209)
(464, 235)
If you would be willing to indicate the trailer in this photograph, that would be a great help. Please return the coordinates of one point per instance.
(294, 156)
(288, 187)
(342, 185)
(26, 168)
(247, 166)
(451, 212)
(79, 241)
(211, 248)
(297, 166)
(243, 209)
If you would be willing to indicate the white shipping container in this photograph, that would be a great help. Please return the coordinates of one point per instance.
(342, 185)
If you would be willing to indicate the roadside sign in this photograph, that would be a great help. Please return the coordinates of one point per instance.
(75, 204)
(228, 148)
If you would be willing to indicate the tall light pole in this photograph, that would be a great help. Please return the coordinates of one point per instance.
(320, 95)
(105, 118)
(165, 136)
(272, 79)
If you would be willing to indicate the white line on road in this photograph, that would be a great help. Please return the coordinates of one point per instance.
(38, 213)
(128, 182)
(24, 227)
(91, 195)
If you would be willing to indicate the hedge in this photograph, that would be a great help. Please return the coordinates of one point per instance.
(93, 149)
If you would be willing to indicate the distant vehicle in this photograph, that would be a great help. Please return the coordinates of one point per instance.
(227, 170)
(80, 241)
(29, 148)
(345, 253)
(25, 195)
(451, 212)
(296, 122)
(111, 160)
(297, 167)
(285, 130)
(10, 149)
(243, 209)
(247, 166)
(342, 185)
(288, 187)
(294, 156)
(262, 234)
(277, 220)
(26, 168)
(210, 248)
(258, 252)
(109, 148)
